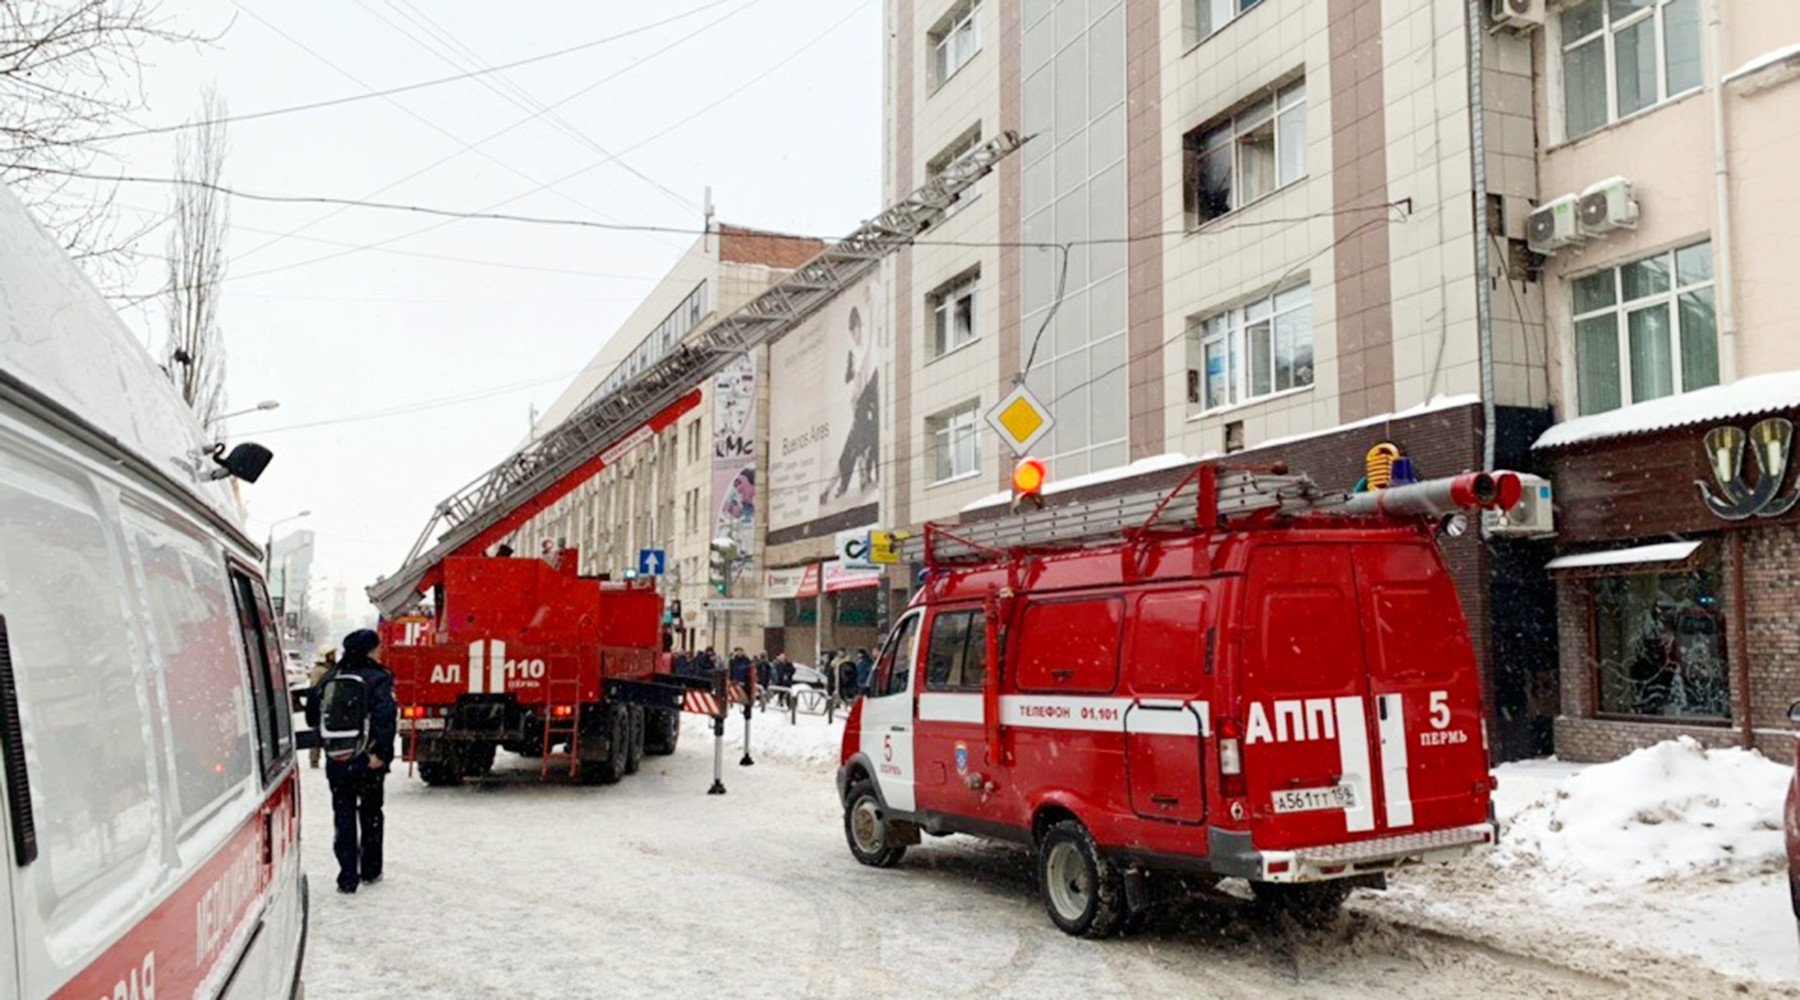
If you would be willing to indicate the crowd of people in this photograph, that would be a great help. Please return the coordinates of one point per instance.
(844, 673)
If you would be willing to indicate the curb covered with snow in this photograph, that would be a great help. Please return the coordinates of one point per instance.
(809, 740)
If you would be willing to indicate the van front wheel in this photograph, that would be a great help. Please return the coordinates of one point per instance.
(866, 829)
(1083, 893)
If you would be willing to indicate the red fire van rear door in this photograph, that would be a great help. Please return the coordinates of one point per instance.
(1302, 698)
(1426, 689)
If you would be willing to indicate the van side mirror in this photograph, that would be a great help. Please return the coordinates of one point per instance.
(247, 462)
(1794, 713)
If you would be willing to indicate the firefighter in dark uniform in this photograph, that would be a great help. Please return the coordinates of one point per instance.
(356, 783)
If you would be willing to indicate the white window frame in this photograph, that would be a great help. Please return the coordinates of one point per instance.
(943, 303)
(1622, 308)
(953, 42)
(1607, 36)
(1282, 102)
(1231, 330)
(958, 148)
(955, 435)
(1234, 9)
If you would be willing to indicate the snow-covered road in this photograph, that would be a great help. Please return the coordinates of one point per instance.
(512, 888)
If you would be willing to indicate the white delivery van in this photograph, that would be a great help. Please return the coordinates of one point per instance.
(148, 794)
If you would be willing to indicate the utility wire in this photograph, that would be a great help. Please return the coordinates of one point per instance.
(407, 88)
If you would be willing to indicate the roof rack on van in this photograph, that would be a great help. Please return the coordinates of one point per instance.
(1208, 497)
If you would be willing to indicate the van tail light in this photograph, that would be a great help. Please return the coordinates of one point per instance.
(1231, 760)
(1484, 738)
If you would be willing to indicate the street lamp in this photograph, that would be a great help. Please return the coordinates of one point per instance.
(267, 404)
(269, 547)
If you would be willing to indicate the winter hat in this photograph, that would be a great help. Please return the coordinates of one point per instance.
(361, 641)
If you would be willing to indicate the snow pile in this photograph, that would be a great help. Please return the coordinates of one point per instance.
(1668, 811)
(807, 740)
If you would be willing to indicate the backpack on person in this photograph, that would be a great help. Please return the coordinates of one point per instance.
(343, 699)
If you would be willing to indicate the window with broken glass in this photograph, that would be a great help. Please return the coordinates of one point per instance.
(1659, 642)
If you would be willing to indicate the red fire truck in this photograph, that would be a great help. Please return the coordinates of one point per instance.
(524, 654)
(1251, 679)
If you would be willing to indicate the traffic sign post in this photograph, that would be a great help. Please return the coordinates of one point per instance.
(651, 562)
(1020, 419)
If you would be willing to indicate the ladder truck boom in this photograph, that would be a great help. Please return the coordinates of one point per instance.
(509, 494)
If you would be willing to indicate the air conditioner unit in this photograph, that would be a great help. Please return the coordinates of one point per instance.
(1554, 225)
(1607, 206)
(1520, 15)
(1534, 516)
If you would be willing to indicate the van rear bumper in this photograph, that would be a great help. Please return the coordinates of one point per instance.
(1234, 854)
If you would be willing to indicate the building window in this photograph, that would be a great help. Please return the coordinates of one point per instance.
(955, 449)
(953, 313)
(693, 440)
(1646, 329)
(1257, 349)
(1622, 56)
(1247, 153)
(1659, 646)
(1211, 15)
(960, 147)
(953, 42)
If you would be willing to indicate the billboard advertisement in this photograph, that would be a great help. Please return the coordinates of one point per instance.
(825, 410)
(734, 457)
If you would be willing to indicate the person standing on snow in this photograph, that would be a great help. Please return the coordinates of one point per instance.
(358, 766)
(326, 663)
(865, 671)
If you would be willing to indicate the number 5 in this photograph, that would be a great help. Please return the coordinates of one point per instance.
(887, 748)
(1440, 709)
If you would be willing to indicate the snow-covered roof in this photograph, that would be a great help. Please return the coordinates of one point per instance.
(1757, 394)
(1141, 467)
(1660, 552)
(1785, 54)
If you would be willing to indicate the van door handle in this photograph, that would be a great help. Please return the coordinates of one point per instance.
(1062, 675)
(1166, 801)
(896, 729)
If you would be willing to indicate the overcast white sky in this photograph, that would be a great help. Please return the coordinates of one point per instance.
(335, 333)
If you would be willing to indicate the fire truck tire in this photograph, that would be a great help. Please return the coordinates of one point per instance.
(1083, 893)
(866, 828)
(440, 773)
(634, 743)
(662, 730)
(1311, 904)
(615, 725)
(477, 758)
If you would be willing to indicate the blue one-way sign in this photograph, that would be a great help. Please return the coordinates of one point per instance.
(650, 562)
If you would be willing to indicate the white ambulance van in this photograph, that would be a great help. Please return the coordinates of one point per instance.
(148, 792)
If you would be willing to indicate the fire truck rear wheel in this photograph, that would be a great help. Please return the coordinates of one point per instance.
(477, 758)
(614, 725)
(866, 829)
(662, 730)
(634, 743)
(440, 773)
(1083, 893)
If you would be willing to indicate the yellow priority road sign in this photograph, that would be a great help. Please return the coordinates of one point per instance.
(1020, 419)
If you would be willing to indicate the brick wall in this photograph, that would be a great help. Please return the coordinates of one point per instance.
(1771, 644)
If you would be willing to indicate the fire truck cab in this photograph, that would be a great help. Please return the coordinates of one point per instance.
(1291, 699)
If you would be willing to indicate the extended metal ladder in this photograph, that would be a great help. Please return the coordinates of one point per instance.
(562, 729)
(600, 424)
(1236, 494)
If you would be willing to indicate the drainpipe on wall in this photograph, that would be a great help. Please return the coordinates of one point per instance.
(1715, 32)
(1484, 302)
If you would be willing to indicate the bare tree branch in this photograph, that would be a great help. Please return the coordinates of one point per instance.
(195, 354)
(70, 71)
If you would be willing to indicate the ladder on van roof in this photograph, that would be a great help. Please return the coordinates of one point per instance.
(1235, 494)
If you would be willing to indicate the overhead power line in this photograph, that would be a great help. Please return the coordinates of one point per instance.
(407, 88)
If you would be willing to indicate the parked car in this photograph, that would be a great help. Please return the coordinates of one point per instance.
(807, 676)
(299, 675)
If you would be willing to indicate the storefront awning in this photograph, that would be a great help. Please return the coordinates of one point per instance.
(1639, 557)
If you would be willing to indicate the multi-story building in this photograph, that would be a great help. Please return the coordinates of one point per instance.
(1290, 229)
(1670, 124)
(695, 481)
